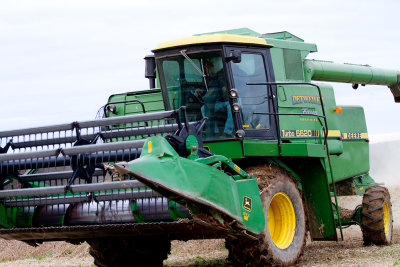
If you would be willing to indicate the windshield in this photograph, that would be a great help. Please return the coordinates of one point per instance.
(203, 96)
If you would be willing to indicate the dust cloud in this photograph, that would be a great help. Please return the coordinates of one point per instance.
(385, 162)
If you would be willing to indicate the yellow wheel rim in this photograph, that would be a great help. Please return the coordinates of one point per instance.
(386, 217)
(281, 220)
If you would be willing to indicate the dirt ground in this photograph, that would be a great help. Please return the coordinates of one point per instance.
(350, 252)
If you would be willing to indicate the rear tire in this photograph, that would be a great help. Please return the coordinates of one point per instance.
(376, 216)
(140, 252)
(283, 239)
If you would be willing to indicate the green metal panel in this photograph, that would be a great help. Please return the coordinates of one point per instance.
(260, 148)
(287, 36)
(355, 186)
(317, 197)
(230, 149)
(352, 120)
(277, 62)
(353, 161)
(362, 182)
(304, 99)
(293, 64)
(355, 157)
(283, 44)
(304, 150)
(152, 100)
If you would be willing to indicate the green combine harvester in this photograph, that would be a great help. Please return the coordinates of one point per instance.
(238, 143)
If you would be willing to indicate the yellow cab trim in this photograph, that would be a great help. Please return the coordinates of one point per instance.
(212, 38)
(334, 133)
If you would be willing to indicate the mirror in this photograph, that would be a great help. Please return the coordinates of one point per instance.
(235, 57)
(150, 68)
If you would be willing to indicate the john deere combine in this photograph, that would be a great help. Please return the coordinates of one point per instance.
(238, 143)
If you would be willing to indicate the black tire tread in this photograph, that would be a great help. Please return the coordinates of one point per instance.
(372, 216)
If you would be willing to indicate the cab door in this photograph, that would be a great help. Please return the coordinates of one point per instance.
(256, 117)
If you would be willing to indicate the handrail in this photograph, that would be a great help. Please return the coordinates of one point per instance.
(122, 102)
(276, 114)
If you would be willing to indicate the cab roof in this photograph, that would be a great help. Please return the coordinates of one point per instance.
(213, 38)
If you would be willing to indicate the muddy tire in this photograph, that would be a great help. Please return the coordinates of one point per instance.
(283, 239)
(376, 216)
(116, 252)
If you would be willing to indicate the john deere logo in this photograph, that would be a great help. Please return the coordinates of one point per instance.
(247, 203)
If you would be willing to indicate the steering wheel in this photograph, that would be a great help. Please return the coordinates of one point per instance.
(198, 95)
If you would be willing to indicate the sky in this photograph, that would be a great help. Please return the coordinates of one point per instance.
(60, 60)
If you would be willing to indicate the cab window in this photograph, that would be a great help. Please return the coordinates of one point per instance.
(203, 96)
(252, 98)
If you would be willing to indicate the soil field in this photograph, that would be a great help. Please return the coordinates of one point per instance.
(349, 252)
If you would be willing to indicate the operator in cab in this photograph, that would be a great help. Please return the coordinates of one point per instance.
(215, 99)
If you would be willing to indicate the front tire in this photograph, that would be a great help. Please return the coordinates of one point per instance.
(377, 217)
(283, 239)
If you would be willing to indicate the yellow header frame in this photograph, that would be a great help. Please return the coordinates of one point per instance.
(212, 38)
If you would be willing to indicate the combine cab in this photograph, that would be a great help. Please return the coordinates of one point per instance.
(163, 164)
